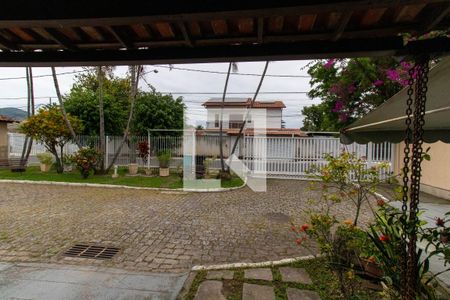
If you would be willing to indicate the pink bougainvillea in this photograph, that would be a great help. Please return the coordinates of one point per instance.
(343, 117)
(329, 64)
(338, 106)
(392, 74)
(351, 88)
(378, 82)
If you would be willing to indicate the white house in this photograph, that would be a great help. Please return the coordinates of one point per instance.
(235, 109)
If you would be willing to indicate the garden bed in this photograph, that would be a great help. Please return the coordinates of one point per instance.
(172, 182)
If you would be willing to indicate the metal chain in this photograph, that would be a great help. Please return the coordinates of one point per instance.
(406, 161)
(422, 68)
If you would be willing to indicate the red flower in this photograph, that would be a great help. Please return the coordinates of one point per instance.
(384, 238)
(293, 228)
(298, 241)
(440, 222)
(304, 227)
(380, 202)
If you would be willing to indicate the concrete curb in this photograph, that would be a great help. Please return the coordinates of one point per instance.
(114, 186)
(254, 265)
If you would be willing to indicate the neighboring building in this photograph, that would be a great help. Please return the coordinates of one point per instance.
(4, 121)
(235, 110)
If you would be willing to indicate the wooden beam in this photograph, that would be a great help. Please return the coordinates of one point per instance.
(93, 33)
(165, 29)
(169, 11)
(121, 37)
(372, 16)
(245, 25)
(345, 17)
(276, 24)
(303, 50)
(435, 17)
(408, 13)
(60, 39)
(306, 22)
(219, 27)
(185, 34)
(260, 30)
(7, 44)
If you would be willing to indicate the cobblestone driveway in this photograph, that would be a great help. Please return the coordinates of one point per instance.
(157, 231)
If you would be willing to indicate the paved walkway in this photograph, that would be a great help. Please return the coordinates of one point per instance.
(257, 284)
(54, 282)
(156, 231)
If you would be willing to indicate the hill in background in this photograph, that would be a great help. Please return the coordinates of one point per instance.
(14, 113)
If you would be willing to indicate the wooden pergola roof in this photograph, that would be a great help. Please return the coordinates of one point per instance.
(42, 33)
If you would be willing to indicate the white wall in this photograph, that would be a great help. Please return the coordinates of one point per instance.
(272, 116)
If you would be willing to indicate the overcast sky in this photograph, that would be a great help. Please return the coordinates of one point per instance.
(182, 81)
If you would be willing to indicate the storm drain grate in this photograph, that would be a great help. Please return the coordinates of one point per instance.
(91, 251)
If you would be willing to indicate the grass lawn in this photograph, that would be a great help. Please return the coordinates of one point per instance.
(172, 182)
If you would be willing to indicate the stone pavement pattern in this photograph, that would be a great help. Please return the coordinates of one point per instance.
(156, 231)
(261, 290)
(56, 281)
(290, 274)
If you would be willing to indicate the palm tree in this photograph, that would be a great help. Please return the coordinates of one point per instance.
(63, 110)
(241, 129)
(232, 66)
(30, 111)
(135, 73)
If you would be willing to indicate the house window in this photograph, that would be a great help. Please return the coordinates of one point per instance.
(216, 121)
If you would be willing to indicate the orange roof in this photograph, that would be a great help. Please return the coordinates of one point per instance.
(6, 119)
(244, 103)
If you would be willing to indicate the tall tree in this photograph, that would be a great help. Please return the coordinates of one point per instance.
(63, 110)
(350, 88)
(135, 73)
(241, 129)
(154, 110)
(222, 162)
(83, 101)
(102, 136)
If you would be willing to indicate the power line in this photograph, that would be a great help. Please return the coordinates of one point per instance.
(43, 75)
(237, 73)
(234, 93)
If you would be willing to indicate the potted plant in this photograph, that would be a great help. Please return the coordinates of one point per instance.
(45, 160)
(164, 160)
(86, 159)
(143, 153)
(67, 161)
(133, 167)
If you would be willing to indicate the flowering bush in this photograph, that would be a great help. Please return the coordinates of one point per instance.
(386, 235)
(341, 243)
(86, 160)
(347, 177)
(144, 150)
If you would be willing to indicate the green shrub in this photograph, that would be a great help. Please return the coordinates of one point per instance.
(164, 158)
(86, 160)
(45, 158)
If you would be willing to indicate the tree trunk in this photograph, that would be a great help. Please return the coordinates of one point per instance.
(248, 111)
(58, 162)
(63, 110)
(102, 119)
(134, 73)
(30, 106)
(222, 163)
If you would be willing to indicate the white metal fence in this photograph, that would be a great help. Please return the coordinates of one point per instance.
(295, 156)
(281, 157)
